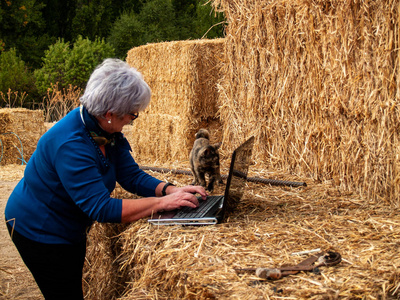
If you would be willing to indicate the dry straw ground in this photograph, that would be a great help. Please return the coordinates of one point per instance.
(140, 261)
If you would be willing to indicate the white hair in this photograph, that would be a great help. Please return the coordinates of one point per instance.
(116, 87)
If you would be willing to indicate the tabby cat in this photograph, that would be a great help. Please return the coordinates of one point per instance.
(204, 159)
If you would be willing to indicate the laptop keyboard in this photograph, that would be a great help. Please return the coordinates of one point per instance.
(200, 211)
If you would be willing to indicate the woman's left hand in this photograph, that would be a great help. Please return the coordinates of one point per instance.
(193, 189)
(176, 197)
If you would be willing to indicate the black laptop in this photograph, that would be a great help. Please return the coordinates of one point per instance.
(214, 209)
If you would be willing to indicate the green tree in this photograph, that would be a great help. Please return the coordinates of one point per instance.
(185, 12)
(64, 66)
(208, 23)
(121, 6)
(126, 33)
(92, 18)
(83, 58)
(53, 70)
(157, 17)
(58, 16)
(21, 28)
(164, 20)
(31, 26)
(14, 74)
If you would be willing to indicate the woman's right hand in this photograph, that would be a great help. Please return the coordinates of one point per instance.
(179, 199)
(135, 209)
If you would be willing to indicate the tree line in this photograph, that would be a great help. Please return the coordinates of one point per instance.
(47, 42)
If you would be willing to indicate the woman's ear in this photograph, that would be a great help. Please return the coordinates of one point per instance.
(108, 115)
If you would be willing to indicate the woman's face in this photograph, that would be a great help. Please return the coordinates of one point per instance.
(118, 123)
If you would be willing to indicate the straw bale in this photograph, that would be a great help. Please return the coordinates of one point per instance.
(173, 140)
(102, 279)
(316, 82)
(271, 223)
(20, 130)
(183, 78)
(11, 172)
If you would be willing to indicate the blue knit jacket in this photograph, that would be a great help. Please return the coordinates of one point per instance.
(68, 181)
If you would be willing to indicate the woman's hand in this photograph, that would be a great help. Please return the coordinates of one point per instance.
(182, 196)
(177, 197)
(193, 189)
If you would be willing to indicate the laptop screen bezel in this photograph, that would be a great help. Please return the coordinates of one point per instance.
(226, 199)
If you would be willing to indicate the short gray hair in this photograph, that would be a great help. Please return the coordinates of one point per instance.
(116, 87)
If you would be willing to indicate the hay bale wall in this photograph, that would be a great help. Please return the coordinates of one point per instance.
(316, 82)
(183, 77)
(20, 130)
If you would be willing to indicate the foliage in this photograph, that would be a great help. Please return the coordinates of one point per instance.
(63, 65)
(21, 27)
(31, 26)
(127, 32)
(164, 20)
(154, 23)
(185, 14)
(53, 70)
(57, 16)
(209, 23)
(54, 37)
(92, 19)
(14, 75)
(83, 58)
(157, 18)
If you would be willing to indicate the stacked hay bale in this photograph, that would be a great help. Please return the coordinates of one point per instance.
(316, 82)
(102, 278)
(20, 130)
(183, 77)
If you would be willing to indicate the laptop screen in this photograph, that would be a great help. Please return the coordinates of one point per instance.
(236, 181)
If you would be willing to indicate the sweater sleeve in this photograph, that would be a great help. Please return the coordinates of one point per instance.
(81, 178)
(132, 178)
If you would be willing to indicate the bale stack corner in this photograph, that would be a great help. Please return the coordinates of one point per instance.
(183, 77)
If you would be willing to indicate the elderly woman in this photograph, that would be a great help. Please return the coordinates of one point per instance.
(69, 179)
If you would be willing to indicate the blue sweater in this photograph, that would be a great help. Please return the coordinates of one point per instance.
(68, 181)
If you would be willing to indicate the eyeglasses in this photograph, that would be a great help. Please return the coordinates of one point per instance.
(134, 116)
